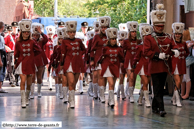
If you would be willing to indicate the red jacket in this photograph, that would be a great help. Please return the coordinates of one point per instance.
(56, 58)
(112, 57)
(96, 50)
(180, 60)
(41, 59)
(141, 59)
(10, 42)
(72, 52)
(48, 49)
(88, 51)
(151, 50)
(129, 49)
(25, 53)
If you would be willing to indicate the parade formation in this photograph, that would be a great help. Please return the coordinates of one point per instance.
(100, 55)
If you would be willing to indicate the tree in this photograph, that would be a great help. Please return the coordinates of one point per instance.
(67, 8)
(120, 11)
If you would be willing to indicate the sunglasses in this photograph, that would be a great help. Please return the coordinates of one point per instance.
(113, 39)
(50, 34)
(72, 32)
(26, 32)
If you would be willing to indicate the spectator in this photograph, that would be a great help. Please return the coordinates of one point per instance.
(2, 58)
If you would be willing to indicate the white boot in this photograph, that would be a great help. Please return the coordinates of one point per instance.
(23, 98)
(147, 101)
(90, 89)
(111, 98)
(173, 100)
(81, 87)
(71, 98)
(61, 91)
(98, 91)
(140, 98)
(131, 94)
(95, 85)
(65, 91)
(102, 97)
(122, 91)
(152, 96)
(32, 91)
(118, 91)
(56, 89)
(39, 90)
(178, 101)
(27, 97)
(116, 86)
(50, 82)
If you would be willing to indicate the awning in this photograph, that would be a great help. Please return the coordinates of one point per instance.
(189, 5)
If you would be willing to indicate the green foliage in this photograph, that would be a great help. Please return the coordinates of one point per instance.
(120, 11)
(45, 8)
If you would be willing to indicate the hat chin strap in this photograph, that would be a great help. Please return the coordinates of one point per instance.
(157, 31)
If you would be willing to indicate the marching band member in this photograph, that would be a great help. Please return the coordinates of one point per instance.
(72, 50)
(121, 36)
(55, 64)
(129, 47)
(90, 35)
(111, 60)
(63, 75)
(48, 48)
(79, 84)
(24, 54)
(157, 47)
(140, 65)
(15, 36)
(99, 41)
(9, 47)
(179, 63)
(40, 60)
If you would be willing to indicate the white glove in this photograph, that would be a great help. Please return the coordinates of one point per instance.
(162, 56)
(176, 52)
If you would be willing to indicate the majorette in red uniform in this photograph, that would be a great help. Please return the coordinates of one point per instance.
(25, 52)
(121, 36)
(56, 63)
(140, 64)
(110, 60)
(178, 63)
(40, 60)
(72, 50)
(48, 49)
(129, 47)
(157, 67)
(99, 41)
(90, 35)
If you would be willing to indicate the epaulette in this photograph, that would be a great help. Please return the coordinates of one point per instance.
(168, 35)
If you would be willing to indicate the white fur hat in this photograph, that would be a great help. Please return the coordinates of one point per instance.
(60, 33)
(122, 35)
(96, 25)
(71, 25)
(90, 34)
(50, 29)
(145, 29)
(104, 21)
(111, 33)
(158, 16)
(25, 25)
(123, 27)
(35, 26)
(64, 29)
(132, 25)
(178, 27)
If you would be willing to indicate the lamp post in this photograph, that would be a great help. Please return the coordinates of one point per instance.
(56, 19)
